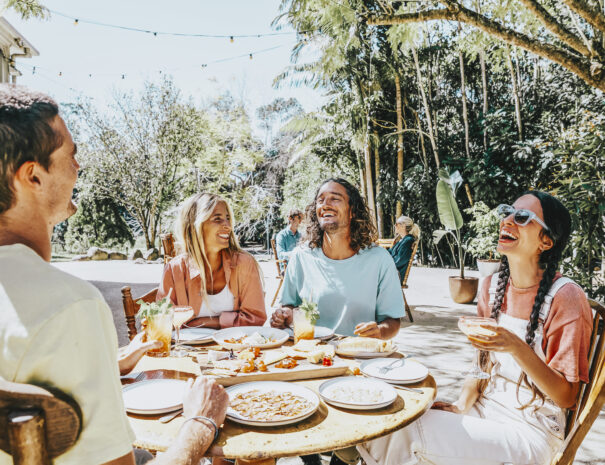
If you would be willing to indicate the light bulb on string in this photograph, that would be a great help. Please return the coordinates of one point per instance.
(60, 73)
(90, 75)
(251, 56)
(155, 34)
(76, 22)
(123, 76)
(34, 70)
(231, 39)
(204, 65)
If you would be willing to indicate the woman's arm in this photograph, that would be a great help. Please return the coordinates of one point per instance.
(467, 398)
(550, 382)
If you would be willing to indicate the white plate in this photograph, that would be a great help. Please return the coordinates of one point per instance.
(154, 396)
(357, 354)
(280, 336)
(321, 332)
(410, 372)
(267, 386)
(195, 335)
(385, 394)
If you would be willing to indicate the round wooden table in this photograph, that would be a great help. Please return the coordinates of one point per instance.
(328, 429)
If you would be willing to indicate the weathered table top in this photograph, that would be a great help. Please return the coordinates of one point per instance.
(327, 429)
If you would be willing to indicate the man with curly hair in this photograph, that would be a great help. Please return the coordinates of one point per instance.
(354, 283)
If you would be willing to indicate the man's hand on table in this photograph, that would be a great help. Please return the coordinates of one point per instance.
(282, 317)
(386, 329)
(130, 355)
(205, 397)
(368, 329)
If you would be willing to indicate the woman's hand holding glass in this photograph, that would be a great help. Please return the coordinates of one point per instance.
(500, 340)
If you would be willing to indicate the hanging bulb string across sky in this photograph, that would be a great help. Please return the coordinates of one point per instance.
(156, 33)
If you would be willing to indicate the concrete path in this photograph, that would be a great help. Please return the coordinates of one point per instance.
(433, 338)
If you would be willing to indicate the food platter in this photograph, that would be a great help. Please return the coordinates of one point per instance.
(270, 403)
(194, 336)
(321, 332)
(357, 393)
(154, 396)
(408, 372)
(240, 337)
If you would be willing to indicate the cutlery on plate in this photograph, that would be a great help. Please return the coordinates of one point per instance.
(170, 416)
(391, 366)
(405, 388)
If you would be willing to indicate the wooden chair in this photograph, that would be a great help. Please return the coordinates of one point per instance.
(404, 284)
(131, 307)
(386, 243)
(168, 246)
(36, 424)
(280, 273)
(591, 396)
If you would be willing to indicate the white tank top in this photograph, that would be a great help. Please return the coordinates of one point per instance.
(221, 302)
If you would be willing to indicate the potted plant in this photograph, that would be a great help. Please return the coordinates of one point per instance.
(462, 289)
(484, 227)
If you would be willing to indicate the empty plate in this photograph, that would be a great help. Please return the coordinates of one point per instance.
(406, 372)
(357, 393)
(154, 396)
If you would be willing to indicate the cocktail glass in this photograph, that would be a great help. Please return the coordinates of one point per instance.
(475, 328)
(158, 327)
(181, 316)
(303, 328)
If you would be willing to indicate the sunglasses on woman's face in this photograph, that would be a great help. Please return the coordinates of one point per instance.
(521, 217)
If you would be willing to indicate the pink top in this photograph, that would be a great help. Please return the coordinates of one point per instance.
(567, 328)
(242, 276)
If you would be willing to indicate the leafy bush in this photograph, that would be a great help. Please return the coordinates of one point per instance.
(484, 230)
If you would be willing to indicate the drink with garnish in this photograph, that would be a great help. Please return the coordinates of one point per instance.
(181, 316)
(156, 320)
(304, 319)
(477, 329)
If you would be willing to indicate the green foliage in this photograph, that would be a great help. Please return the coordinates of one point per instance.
(28, 8)
(484, 230)
(149, 310)
(310, 310)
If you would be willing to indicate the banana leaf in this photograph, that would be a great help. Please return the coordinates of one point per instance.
(448, 210)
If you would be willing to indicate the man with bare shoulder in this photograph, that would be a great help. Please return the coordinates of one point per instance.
(56, 330)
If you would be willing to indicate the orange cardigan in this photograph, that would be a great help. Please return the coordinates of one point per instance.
(242, 276)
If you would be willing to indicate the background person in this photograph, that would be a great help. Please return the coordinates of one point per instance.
(214, 275)
(56, 330)
(354, 283)
(409, 232)
(287, 239)
(539, 356)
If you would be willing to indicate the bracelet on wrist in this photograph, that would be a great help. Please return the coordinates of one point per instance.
(207, 421)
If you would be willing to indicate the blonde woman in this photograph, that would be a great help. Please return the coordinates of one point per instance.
(409, 232)
(214, 275)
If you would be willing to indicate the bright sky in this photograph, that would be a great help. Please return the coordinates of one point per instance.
(92, 59)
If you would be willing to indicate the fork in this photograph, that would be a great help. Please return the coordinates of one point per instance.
(391, 366)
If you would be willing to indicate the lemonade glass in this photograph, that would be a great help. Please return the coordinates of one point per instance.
(181, 316)
(158, 327)
(303, 328)
(475, 328)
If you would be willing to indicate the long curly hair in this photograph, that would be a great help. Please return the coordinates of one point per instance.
(558, 219)
(362, 229)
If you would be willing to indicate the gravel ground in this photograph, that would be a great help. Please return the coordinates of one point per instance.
(433, 338)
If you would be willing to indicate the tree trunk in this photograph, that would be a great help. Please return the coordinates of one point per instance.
(369, 181)
(485, 106)
(464, 108)
(516, 100)
(427, 110)
(379, 211)
(398, 208)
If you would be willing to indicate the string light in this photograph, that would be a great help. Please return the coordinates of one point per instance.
(251, 56)
(34, 70)
(231, 39)
(123, 76)
(60, 73)
(76, 21)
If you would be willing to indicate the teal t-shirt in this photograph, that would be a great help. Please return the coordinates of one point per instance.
(364, 287)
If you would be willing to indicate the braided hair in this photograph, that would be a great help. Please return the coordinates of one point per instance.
(558, 219)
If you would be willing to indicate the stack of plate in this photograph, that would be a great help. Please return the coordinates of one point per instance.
(357, 393)
(195, 335)
(405, 372)
(154, 396)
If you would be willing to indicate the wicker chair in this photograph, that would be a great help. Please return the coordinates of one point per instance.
(404, 284)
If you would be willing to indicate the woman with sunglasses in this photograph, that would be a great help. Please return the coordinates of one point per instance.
(537, 356)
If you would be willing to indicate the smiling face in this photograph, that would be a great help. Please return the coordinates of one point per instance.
(528, 240)
(61, 176)
(217, 229)
(401, 229)
(332, 207)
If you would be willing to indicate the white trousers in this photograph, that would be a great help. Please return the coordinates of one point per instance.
(445, 438)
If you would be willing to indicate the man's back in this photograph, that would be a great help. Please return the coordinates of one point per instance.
(56, 330)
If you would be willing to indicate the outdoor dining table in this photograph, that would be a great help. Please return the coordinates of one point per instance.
(328, 429)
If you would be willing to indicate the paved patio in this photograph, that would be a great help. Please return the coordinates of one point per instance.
(433, 338)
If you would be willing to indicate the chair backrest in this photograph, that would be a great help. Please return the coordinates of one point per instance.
(385, 243)
(131, 307)
(278, 263)
(407, 271)
(591, 397)
(168, 245)
(36, 424)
